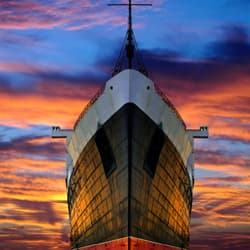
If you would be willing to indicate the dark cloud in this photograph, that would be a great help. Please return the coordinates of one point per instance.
(23, 146)
(41, 174)
(5, 85)
(239, 209)
(197, 76)
(55, 84)
(226, 62)
(220, 158)
(234, 139)
(76, 79)
(234, 49)
(230, 179)
(210, 240)
(28, 237)
(197, 215)
(220, 207)
(40, 211)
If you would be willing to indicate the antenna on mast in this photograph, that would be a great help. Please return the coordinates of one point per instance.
(130, 45)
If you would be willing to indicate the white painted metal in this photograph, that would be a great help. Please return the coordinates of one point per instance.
(57, 132)
(198, 133)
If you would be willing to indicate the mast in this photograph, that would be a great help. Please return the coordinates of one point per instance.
(130, 47)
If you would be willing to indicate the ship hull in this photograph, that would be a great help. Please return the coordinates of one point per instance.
(130, 188)
(135, 244)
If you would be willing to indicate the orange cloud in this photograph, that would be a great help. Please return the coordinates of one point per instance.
(225, 103)
(30, 109)
(33, 204)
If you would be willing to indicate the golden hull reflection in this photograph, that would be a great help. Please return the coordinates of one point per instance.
(130, 181)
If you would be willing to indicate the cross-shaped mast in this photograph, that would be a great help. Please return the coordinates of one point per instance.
(130, 46)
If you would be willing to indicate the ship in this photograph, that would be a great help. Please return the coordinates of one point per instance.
(129, 165)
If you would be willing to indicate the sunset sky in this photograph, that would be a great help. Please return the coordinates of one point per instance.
(55, 55)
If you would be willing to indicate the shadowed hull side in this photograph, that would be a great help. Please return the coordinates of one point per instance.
(129, 180)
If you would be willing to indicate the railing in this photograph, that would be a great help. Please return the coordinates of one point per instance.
(100, 91)
(90, 103)
(167, 101)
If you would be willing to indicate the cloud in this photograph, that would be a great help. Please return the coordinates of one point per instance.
(14, 39)
(35, 211)
(16, 237)
(224, 66)
(48, 95)
(32, 193)
(49, 81)
(65, 14)
(24, 146)
(220, 214)
(212, 80)
(226, 61)
(34, 109)
(212, 90)
(234, 49)
(213, 240)
(10, 133)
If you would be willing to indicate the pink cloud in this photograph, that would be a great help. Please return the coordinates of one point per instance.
(64, 14)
